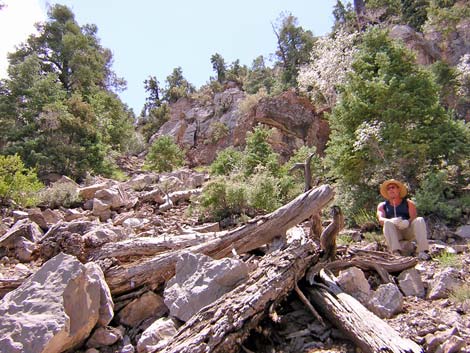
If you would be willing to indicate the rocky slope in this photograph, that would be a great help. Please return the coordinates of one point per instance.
(422, 307)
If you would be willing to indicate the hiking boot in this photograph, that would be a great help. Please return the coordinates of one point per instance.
(424, 256)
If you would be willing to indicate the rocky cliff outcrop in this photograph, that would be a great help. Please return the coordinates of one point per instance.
(205, 128)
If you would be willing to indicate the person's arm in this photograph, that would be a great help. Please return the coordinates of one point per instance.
(412, 211)
(381, 213)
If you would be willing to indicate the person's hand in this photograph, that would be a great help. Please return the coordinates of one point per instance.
(396, 221)
(404, 223)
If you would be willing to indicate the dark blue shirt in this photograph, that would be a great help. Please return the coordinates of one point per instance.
(397, 211)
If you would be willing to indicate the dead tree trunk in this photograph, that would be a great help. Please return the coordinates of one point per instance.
(226, 323)
(251, 236)
(366, 330)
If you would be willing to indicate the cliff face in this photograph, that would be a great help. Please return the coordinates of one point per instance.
(205, 128)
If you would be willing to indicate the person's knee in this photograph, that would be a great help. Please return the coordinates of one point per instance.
(388, 223)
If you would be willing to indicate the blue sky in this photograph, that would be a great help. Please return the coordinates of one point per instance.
(153, 37)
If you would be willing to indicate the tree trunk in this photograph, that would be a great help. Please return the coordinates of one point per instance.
(256, 233)
(366, 330)
(223, 325)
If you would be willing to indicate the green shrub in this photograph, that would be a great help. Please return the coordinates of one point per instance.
(258, 152)
(438, 195)
(60, 194)
(264, 192)
(221, 198)
(218, 131)
(164, 155)
(447, 259)
(366, 219)
(226, 161)
(18, 183)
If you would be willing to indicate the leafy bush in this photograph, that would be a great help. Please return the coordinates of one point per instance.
(18, 183)
(222, 198)
(389, 123)
(366, 219)
(226, 161)
(164, 155)
(264, 193)
(258, 152)
(447, 259)
(218, 131)
(437, 195)
(60, 194)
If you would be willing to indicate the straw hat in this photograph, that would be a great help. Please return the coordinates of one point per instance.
(386, 183)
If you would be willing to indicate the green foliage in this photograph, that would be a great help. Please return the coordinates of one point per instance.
(259, 77)
(177, 86)
(157, 116)
(59, 194)
(264, 193)
(227, 161)
(389, 123)
(18, 183)
(414, 13)
(447, 259)
(366, 219)
(344, 239)
(439, 195)
(258, 152)
(218, 131)
(293, 48)
(375, 237)
(164, 155)
(58, 108)
(222, 198)
(219, 66)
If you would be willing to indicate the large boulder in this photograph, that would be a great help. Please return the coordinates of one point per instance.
(199, 281)
(56, 308)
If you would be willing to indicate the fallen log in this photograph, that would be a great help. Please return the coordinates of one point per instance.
(146, 246)
(253, 235)
(365, 329)
(223, 325)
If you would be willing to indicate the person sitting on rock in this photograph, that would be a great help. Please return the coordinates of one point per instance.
(398, 216)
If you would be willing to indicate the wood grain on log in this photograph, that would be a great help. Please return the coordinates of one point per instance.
(256, 233)
(369, 332)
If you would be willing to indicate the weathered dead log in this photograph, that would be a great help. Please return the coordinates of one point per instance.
(365, 329)
(223, 325)
(256, 233)
(366, 260)
(147, 246)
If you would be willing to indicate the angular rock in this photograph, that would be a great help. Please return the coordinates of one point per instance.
(104, 336)
(199, 281)
(146, 306)
(443, 283)
(354, 282)
(386, 301)
(463, 231)
(51, 216)
(53, 310)
(24, 249)
(411, 284)
(156, 335)
(141, 181)
(88, 192)
(23, 228)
